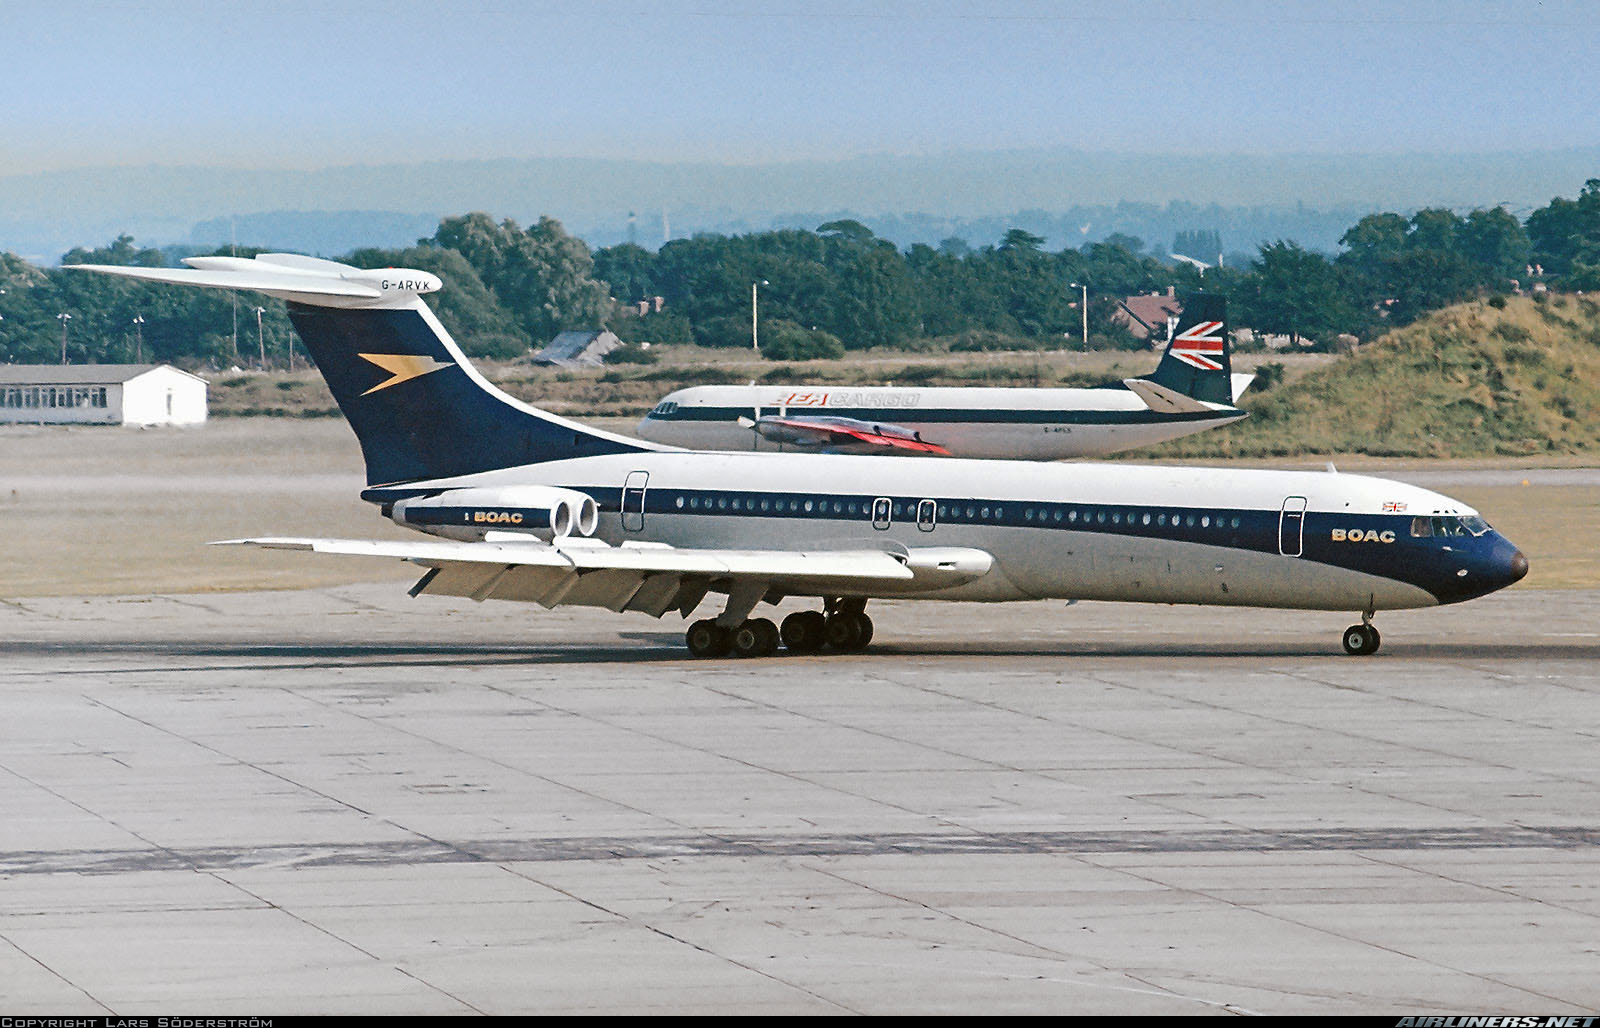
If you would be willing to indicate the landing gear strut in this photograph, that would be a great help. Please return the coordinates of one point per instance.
(1363, 639)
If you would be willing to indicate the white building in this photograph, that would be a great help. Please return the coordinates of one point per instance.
(100, 394)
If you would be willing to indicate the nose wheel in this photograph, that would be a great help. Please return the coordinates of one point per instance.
(1361, 640)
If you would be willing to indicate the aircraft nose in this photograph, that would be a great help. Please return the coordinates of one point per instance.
(1516, 567)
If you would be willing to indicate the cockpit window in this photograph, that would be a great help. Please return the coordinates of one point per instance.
(664, 408)
(1448, 527)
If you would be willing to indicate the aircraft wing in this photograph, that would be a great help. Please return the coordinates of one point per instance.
(840, 433)
(652, 578)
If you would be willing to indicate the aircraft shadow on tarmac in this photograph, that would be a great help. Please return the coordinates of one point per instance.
(653, 647)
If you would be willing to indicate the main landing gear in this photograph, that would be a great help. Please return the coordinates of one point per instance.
(1363, 639)
(841, 627)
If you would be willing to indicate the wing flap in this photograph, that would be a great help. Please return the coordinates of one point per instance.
(652, 579)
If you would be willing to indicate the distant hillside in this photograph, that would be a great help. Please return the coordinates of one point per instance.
(45, 213)
(323, 233)
(1471, 380)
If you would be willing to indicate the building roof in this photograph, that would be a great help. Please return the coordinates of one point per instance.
(578, 346)
(1151, 309)
(79, 374)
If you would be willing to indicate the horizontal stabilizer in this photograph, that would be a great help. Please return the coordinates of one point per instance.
(272, 281)
(1163, 400)
(289, 276)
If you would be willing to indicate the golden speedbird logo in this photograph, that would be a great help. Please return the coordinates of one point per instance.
(402, 367)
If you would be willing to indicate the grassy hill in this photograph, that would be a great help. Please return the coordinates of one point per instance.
(1473, 380)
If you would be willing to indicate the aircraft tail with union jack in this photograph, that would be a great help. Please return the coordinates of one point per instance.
(1196, 363)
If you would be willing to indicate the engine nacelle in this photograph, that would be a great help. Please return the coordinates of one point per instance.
(542, 511)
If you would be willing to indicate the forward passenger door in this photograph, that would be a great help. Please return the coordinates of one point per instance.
(1292, 526)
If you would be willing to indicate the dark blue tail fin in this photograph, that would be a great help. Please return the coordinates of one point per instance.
(420, 410)
(418, 406)
(1197, 359)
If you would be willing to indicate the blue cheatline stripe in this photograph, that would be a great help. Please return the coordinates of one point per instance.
(899, 415)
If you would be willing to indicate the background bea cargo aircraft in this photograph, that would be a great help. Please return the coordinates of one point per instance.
(1192, 389)
(524, 505)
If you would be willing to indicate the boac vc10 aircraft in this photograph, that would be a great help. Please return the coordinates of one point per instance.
(524, 505)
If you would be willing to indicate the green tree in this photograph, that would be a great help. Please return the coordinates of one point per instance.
(1423, 280)
(544, 276)
(1021, 239)
(783, 340)
(1567, 232)
(1296, 292)
(465, 306)
(846, 228)
(121, 251)
(629, 269)
(1372, 240)
(1495, 240)
(1434, 228)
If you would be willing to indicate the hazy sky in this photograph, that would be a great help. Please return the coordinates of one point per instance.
(295, 84)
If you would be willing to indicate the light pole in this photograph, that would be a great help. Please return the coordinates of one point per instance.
(138, 326)
(1085, 312)
(755, 338)
(63, 317)
(261, 343)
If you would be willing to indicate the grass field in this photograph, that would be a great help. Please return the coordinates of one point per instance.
(109, 511)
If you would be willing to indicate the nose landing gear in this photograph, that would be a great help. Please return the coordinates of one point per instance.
(1363, 639)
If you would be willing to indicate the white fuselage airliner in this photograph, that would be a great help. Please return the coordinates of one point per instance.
(983, 422)
(524, 505)
(1191, 390)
